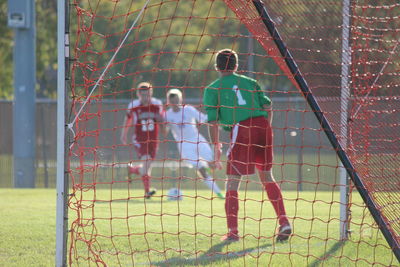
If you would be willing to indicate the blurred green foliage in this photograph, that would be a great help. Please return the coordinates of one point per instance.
(173, 44)
(6, 45)
(46, 50)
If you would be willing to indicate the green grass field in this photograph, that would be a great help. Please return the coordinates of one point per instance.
(159, 232)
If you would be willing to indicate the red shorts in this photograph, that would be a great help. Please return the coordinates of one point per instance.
(144, 148)
(251, 146)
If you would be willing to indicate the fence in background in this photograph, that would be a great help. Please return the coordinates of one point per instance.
(292, 139)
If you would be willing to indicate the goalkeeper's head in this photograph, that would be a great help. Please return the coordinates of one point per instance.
(226, 61)
(174, 97)
(144, 92)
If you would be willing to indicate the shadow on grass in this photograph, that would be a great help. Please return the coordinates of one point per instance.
(214, 254)
(327, 254)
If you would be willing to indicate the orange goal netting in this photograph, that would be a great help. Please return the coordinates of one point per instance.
(331, 69)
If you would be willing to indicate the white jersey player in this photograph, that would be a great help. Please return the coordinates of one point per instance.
(194, 149)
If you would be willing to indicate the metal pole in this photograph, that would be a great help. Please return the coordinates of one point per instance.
(344, 102)
(250, 50)
(44, 152)
(24, 128)
(62, 181)
(299, 138)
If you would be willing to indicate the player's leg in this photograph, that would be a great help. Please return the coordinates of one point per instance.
(204, 156)
(147, 157)
(264, 157)
(232, 207)
(239, 163)
(144, 172)
(195, 155)
(135, 168)
(210, 182)
(275, 196)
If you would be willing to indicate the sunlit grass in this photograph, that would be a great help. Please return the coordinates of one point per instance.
(121, 228)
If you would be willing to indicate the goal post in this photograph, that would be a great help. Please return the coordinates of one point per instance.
(344, 116)
(320, 65)
(302, 84)
(62, 144)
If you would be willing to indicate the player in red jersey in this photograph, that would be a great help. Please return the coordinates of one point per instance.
(145, 115)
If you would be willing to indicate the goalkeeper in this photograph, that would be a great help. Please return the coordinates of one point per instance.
(193, 147)
(240, 106)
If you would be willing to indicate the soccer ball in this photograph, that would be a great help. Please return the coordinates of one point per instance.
(174, 194)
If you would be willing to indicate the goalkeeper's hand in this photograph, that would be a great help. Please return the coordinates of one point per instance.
(217, 164)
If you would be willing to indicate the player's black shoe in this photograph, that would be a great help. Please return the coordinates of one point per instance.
(283, 233)
(150, 193)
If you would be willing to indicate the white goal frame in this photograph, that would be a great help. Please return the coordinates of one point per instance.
(61, 184)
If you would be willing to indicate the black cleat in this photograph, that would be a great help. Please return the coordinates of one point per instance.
(284, 233)
(150, 193)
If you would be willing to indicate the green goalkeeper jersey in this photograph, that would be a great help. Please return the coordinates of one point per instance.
(234, 98)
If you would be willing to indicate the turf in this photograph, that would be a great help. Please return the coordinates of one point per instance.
(120, 228)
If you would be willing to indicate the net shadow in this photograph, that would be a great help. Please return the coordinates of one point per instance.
(213, 255)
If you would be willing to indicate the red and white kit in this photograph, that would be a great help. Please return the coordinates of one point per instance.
(251, 147)
(144, 120)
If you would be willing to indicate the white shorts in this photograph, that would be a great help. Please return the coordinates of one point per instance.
(196, 154)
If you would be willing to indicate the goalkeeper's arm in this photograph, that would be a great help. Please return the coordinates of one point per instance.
(213, 130)
(268, 108)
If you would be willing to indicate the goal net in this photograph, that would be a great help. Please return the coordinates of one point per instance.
(331, 69)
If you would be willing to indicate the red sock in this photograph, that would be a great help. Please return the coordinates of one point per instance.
(231, 210)
(275, 196)
(146, 183)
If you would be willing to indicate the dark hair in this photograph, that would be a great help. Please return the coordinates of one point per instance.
(226, 60)
(145, 86)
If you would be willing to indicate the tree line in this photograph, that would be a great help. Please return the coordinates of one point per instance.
(173, 43)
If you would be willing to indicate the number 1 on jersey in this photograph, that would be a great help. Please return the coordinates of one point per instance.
(239, 96)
